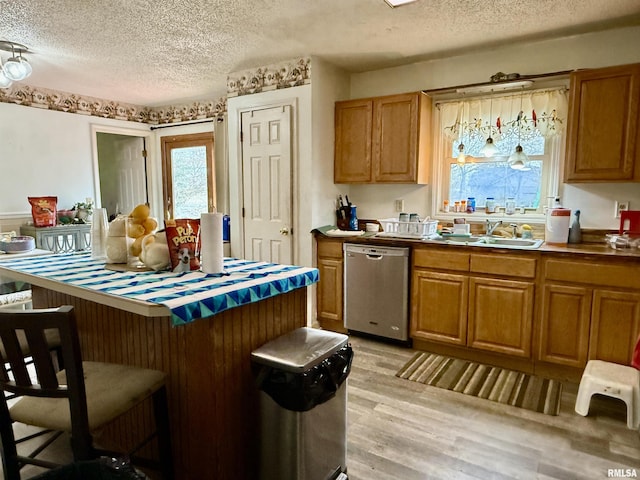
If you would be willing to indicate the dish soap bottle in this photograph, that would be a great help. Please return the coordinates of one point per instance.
(575, 235)
(353, 219)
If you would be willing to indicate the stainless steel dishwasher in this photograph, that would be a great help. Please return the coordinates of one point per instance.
(376, 290)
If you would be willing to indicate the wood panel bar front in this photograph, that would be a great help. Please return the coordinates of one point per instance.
(211, 386)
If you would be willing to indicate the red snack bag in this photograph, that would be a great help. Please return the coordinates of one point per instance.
(183, 236)
(43, 211)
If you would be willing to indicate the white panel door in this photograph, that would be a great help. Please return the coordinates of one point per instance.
(130, 164)
(266, 181)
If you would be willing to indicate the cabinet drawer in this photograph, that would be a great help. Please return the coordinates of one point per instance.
(441, 259)
(330, 248)
(504, 265)
(601, 274)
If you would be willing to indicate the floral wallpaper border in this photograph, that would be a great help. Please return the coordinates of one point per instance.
(287, 74)
(291, 73)
(83, 105)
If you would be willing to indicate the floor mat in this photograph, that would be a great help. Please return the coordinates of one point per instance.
(492, 383)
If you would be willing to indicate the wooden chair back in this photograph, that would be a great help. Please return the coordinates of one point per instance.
(37, 376)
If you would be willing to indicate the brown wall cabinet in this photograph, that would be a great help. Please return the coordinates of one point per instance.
(383, 139)
(603, 137)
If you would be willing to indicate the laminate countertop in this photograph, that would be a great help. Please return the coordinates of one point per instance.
(184, 297)
(581, 249)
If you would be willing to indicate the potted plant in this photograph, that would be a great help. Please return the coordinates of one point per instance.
(83, 210)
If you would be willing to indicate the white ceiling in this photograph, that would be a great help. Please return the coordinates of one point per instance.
(161, 52)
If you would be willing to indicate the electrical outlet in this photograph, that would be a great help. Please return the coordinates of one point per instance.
(399, 205)
(620, 206)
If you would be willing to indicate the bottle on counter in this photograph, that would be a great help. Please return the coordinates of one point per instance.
(510, 206)
(471, 204)
(353, 219)
(445, 206)
(99, 230)
(490, 205)
(575, 233)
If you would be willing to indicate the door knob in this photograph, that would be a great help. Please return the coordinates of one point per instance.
(284, 231)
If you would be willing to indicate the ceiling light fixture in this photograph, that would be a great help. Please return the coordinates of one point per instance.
(16, 67)
(489, 149)
(461, 158)
(397, 3)
(518, 160)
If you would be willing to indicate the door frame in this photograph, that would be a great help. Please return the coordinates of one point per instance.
(165, 163)
(237, 221)
(147, 135)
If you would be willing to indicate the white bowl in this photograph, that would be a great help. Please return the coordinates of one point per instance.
(17, 244)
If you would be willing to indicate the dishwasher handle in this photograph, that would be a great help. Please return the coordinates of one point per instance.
(372, 256)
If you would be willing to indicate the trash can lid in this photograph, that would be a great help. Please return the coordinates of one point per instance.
(299, 350)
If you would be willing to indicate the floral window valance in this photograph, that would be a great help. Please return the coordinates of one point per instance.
(533, 113)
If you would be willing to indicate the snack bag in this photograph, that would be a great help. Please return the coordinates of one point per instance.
(44, 211)
(183, 240)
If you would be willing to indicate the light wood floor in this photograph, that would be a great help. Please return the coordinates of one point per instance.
(402, 430)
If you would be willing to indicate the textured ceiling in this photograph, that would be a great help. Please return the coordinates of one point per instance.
(157, 53)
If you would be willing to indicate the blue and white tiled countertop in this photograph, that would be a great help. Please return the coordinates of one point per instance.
(184, 297)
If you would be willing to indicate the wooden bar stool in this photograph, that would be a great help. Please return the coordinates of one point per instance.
(81, 399)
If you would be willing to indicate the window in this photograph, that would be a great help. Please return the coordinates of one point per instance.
(188, 175)
(470, 122)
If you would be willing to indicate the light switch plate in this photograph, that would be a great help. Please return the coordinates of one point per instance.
(621, 206)
(399, 205)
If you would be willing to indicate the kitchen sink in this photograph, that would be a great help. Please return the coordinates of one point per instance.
(496, 242)
(513, 242)
(464, 239)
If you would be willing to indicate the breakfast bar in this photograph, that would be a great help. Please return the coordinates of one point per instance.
(198, 328)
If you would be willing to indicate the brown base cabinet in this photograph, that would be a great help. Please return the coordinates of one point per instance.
(329, 292)
(440, 306)
(482, 312)
(590, 310)
(615, 325)
(501, 316)
(547, 313)
(564, 326)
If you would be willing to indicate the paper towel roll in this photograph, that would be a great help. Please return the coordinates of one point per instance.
(211, 243)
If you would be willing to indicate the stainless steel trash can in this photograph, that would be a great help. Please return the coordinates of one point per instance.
(302, 378)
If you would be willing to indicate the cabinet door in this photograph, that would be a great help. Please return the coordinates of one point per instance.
(500, 315)
(395, 138)
(352, 160)
(615, 324)
(564, 329)
(330, 293)
(603, 128)
(439, 307)
(329, 307)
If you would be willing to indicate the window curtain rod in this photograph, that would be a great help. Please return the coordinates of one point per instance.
(501, 82)
(188, 122)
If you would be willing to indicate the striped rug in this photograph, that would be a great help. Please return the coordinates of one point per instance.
(484, 381)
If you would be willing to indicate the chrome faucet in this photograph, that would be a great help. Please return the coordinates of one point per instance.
(514, 230)
(491, 226)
